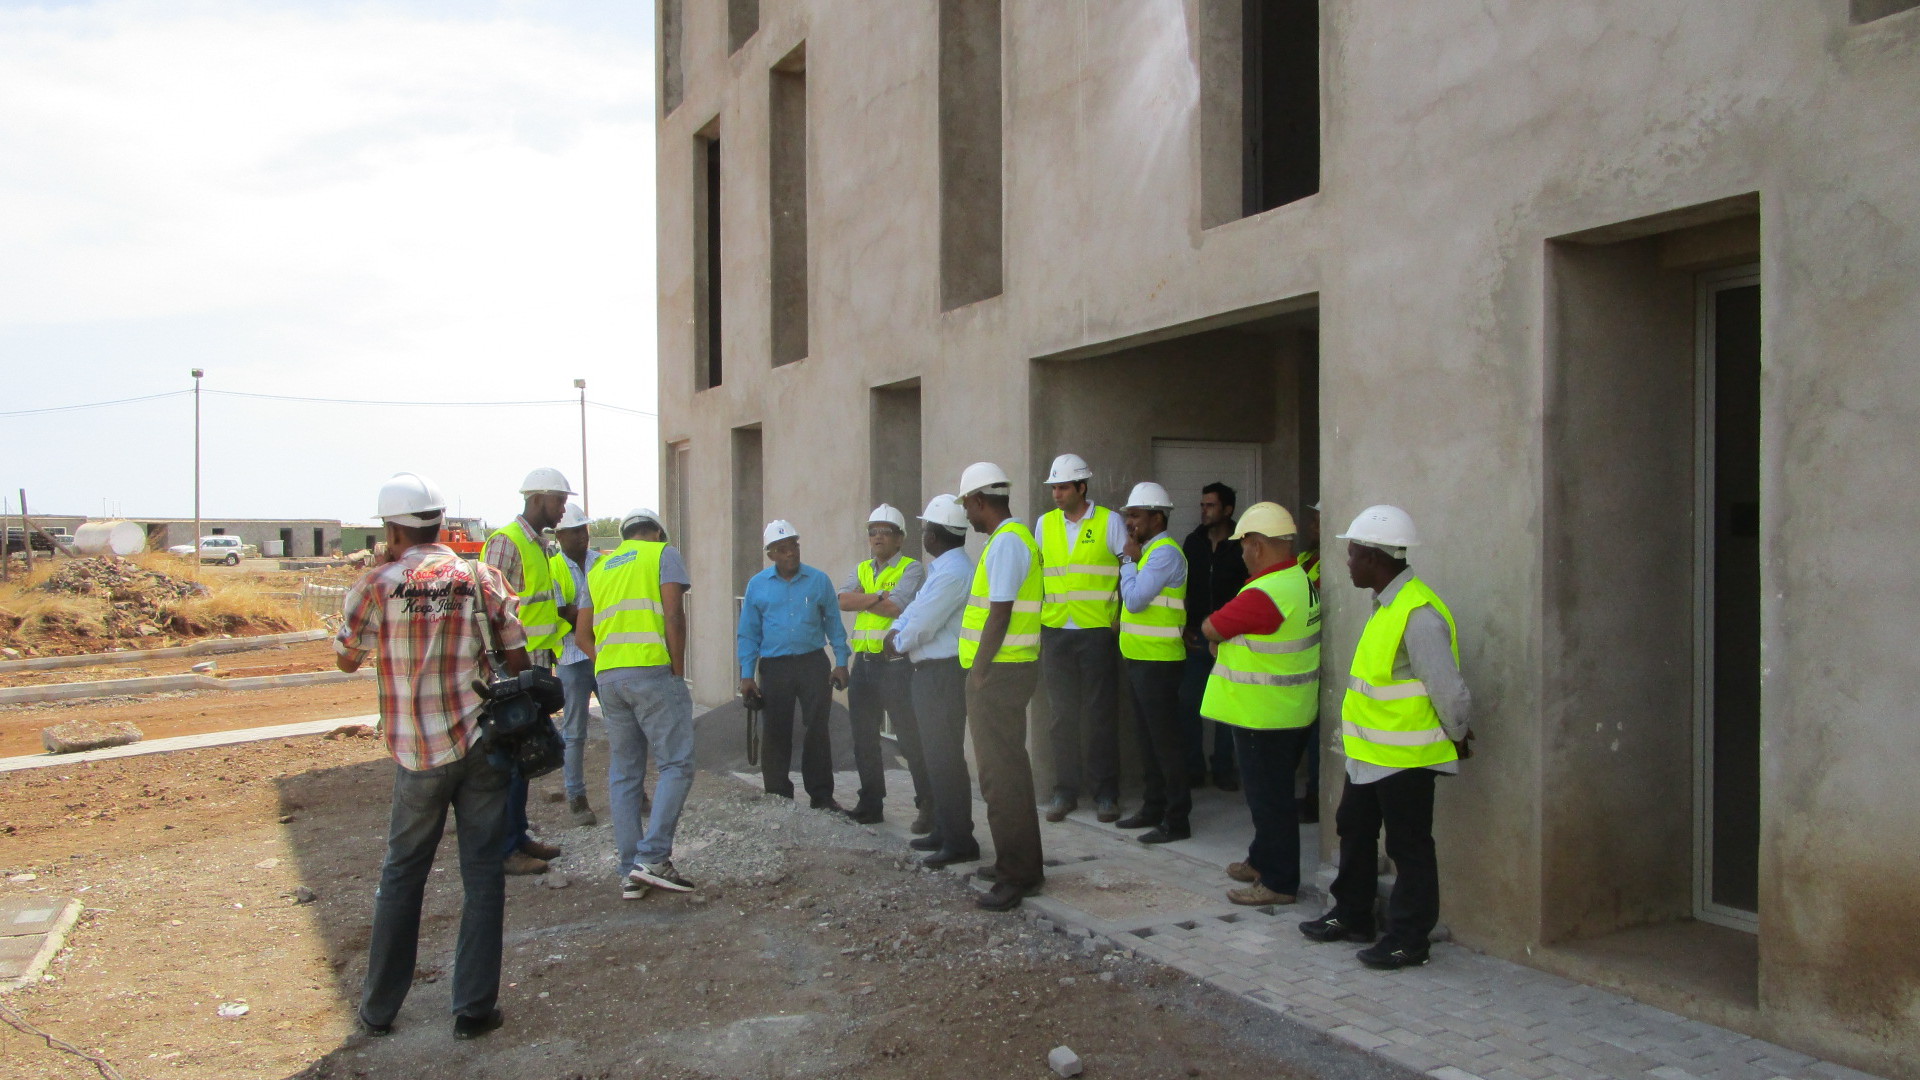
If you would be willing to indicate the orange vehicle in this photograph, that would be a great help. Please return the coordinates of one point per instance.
(462, 542)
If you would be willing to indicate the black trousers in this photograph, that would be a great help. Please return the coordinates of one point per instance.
(1082, 671)
(1403, 803)
(1268, 758)
(786, 681)
(940, 707)
(1163, 746)
(883, 687)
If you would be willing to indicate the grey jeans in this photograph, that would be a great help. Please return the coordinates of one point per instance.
(577, 679)
(477, 792)
(646, 709)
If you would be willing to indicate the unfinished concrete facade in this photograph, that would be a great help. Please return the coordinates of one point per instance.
(1616, 298)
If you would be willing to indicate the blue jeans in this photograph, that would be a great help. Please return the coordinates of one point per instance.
(477, 792)
(651, 710)
(577, 680)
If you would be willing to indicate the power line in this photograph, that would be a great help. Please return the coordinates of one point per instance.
(622, 408)
(94, 404)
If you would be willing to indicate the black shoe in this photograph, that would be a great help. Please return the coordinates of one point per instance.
(1226, 781)
(949, 856)
(1107, 808)
(1061, 806)
(1166, 834)
(472, 1027)
(1308, 811)
(1002, 897)
(922, 822)
(1390, 957)
(373, 1030)
(827, 803)
(866, 815)
(1333, 927)
(1141, 820)
(925, 843)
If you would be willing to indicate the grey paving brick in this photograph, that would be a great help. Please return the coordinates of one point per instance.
(1366, 1040)
(1448, 1072)
(1408, 1056)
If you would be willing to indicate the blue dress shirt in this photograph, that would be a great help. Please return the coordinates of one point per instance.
(1165, 568)
(929, 629)
(779, 617)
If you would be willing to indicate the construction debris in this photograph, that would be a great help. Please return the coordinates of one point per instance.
(1063, 1061)
(77, 735)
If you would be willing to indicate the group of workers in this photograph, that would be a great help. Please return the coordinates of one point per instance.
(1225, 627)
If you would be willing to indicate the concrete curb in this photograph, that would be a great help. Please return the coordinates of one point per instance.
(56, 939)
(186, 742)
(213, 647)
(155, 684)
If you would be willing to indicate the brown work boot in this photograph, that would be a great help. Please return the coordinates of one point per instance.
(1240, 871)
(583, 814)
(538, 850)
(522, 863)
(1257, 895)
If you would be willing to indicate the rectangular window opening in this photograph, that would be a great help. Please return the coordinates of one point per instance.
(673, 77)
(787, 204)
(1866, 11)
(743, 21)
(894, 444)
(706, 259)
(748, 480)
(1260, 106)
(970, 152)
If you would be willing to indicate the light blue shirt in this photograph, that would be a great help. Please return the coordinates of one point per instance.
(1164, 568)
(569, 652)
(779, 617)
(929, 629)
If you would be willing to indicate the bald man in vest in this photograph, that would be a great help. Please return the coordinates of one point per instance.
(1403, 722)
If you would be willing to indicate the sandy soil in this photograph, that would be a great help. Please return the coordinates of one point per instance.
(813, 948)
(277, 660)
(160, 716)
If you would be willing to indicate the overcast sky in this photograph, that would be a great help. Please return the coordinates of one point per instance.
(390, 199)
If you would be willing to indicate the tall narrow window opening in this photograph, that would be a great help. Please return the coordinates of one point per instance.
(748, 477)
(970, 183)
(1280, 69)
(673, 79)
(743, 19)
(894, 453)
(706, 259)
(787, 204)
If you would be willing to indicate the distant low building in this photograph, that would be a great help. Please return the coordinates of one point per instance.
(296, 537)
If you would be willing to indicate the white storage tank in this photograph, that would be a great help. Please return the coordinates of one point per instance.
(110, 538)
(273, 549)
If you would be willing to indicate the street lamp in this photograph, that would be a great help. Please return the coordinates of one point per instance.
(586, 505)
(197, 373)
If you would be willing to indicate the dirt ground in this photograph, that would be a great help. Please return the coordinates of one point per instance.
(160, 716)
(275, 660)
(812, 948)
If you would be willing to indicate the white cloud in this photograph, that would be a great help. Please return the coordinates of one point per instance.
(367, 201)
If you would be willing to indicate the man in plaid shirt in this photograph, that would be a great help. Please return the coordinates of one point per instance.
(419, 610)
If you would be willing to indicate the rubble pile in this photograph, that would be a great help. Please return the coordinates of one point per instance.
(139, 601)
(104, 603)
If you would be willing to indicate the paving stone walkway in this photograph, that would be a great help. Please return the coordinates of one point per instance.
(1465, 1016)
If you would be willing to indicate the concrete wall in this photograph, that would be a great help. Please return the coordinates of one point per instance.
(1462, 143)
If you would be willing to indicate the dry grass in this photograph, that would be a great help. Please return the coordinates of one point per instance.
(41, 623)
(239, 605)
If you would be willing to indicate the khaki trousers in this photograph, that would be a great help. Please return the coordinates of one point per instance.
(997, 716)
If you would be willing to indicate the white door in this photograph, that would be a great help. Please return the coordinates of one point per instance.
(1183, 468)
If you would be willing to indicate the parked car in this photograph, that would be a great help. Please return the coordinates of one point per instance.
(225, 549)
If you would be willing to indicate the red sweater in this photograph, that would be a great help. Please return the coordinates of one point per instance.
(1252, 611)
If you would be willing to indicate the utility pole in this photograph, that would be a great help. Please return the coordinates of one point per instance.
(586, 506)
(197, 373)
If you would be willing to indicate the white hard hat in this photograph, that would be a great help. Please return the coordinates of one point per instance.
(1149, 496)
(1386, 527)
(640, 513)
(1266, 518)
(544, 480)
(984, 475)
(887, 515)
(1067, 468)
(1315, 507)
(574, 518)
(410, 499)
(945, 510)
(777, 530)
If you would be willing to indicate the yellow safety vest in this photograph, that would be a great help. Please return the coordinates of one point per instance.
(539, 614)
(870, 630)
(1270, 681)
(1153, 633)
(1022, 643)
(629, 620)
(1388, 721)
(1310, 562)
(1082, 574)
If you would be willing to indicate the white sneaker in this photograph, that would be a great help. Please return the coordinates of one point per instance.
(662, 874)
(634, 890)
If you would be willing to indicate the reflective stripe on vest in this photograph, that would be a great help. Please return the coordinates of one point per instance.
(1081, 577)
(629, 619)
(870, 630)
(1269, 681)
(1022, 643)
(1153, 633)
(539, 614)
(1388, 721)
